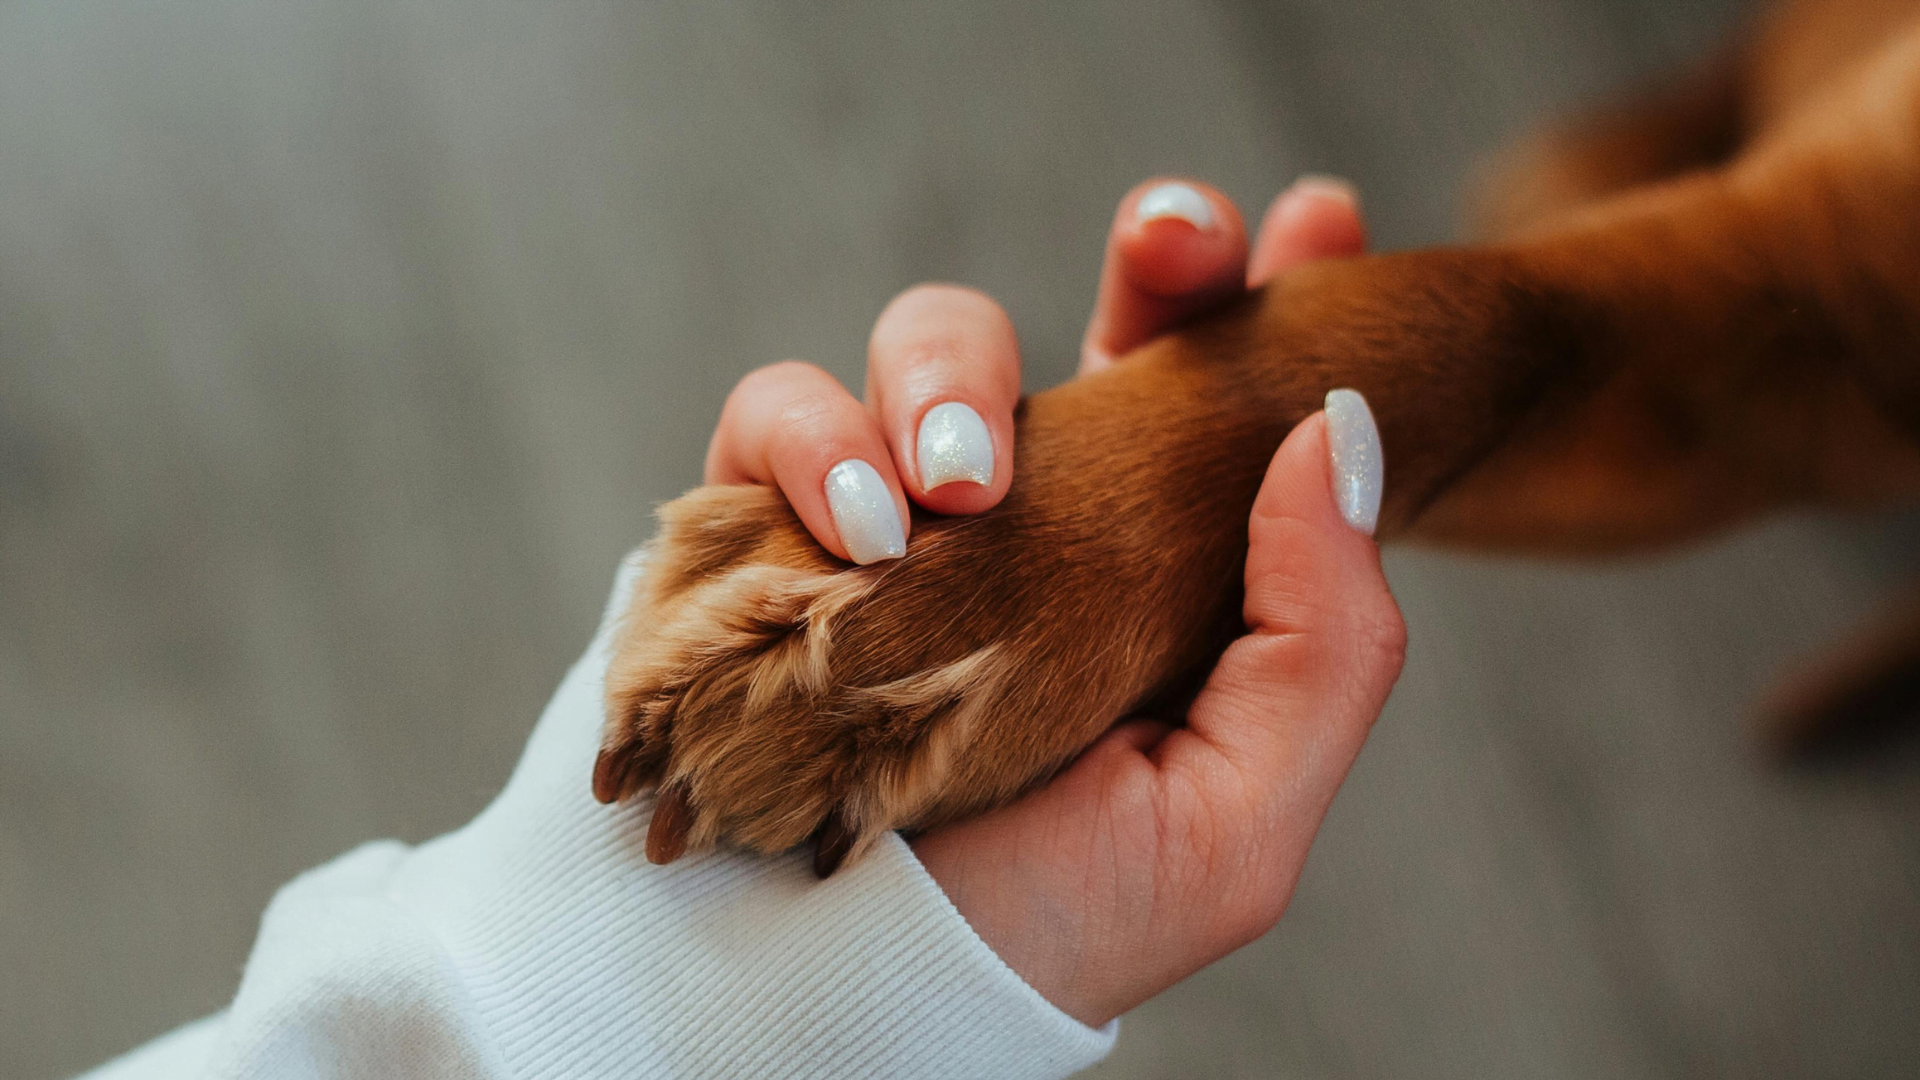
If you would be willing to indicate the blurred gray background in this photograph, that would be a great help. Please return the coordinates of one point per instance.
(344, 348)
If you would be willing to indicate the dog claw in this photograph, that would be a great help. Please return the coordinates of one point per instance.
(672, 820)
(610, 775)
(617, 773)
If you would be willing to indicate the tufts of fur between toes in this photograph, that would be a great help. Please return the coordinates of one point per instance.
(722, 693)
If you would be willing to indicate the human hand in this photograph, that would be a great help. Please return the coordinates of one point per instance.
(1163, 849)
(943, 367)
(1160, 850)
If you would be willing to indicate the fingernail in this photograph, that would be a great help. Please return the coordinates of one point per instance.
(864, 512)
(1353, 442)
(1324, 186)
(1175, 200)
(954, 444)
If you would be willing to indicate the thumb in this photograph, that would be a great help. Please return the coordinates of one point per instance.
(1290, 703)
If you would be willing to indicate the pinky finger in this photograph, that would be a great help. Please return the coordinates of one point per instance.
(1317, 218)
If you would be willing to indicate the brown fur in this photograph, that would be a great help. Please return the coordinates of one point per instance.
(1704, 307)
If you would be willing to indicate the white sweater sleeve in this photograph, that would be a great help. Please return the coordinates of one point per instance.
(538, 942)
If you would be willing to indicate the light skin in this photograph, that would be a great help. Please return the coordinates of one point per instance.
(1162, 848)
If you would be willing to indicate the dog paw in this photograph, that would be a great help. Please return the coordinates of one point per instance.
(774, 694)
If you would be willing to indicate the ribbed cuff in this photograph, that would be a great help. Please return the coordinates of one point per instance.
(583, 960)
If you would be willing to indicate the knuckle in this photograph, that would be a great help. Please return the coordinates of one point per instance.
(935, 338)
(1266, 660)
(1275, 527)
(806, 427)
(1383, 634)
(786, 394)
(1280, 596)
(938, 367)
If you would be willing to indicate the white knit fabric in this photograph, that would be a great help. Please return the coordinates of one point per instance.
(538, 942)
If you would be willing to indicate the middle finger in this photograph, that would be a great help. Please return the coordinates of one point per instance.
(943, 377)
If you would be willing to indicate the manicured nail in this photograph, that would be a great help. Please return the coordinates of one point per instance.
(1358, 470)
(1324, 186)
(954, 444)
(863, 511)
(1175, 200)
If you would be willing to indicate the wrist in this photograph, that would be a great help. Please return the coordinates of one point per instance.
(1039, 937)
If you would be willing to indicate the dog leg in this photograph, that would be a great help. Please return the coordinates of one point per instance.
(773, 694)
(1668, 362)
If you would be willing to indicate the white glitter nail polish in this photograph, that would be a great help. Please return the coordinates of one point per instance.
(953, 444)
(1353, 442)
(1328, 187)
(864, 512)
(1175, 200)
